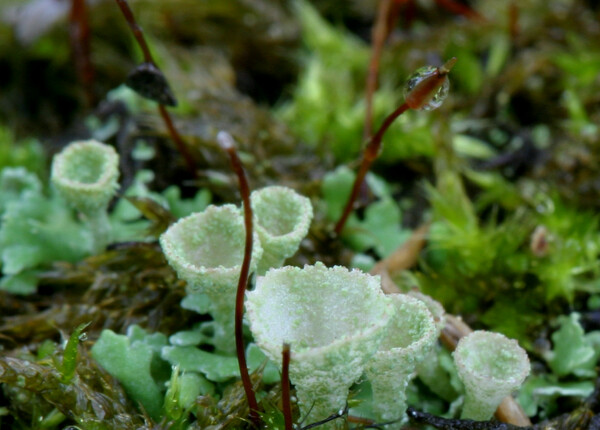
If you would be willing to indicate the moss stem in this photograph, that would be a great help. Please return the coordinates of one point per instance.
(226, 142)
(418, 97)
(164, 113)
(369, 155)
(285, 386)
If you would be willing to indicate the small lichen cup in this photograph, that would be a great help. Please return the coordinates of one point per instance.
(491, 366)
(206, 249)
(282, 220)
(86, 175)
(14, 181)
(333, 319)
(411, 334)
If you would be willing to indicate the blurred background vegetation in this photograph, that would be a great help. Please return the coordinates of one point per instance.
(505, 175)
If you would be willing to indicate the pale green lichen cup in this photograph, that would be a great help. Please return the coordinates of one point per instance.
(282, 220)
(86, 175)
(411, 333)
(206, 250)
(14, 181)
(491, 366)
(333, 319)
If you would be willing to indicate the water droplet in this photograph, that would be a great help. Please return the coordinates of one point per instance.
(419, 76)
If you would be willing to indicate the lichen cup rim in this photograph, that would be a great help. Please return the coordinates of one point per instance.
(422, 342)
(179, 260)
(109, 172)
(435, 308)
(274, 347)
(302, 223)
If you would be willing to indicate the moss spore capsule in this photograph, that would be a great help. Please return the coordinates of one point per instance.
(438, 97)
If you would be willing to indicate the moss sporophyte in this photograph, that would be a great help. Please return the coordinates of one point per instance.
(425, 90)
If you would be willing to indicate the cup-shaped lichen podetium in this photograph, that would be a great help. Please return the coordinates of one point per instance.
(206, 250)
(333, 319)
(411, 334)
(491, 366)
(282, 220)
(85, 173)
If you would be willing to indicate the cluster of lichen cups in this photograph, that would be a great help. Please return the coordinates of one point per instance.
(206, 249)
(341, 326)
(338, 322)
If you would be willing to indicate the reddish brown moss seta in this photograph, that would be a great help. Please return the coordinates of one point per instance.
(226, 142)
(285, 387)
(417, 98)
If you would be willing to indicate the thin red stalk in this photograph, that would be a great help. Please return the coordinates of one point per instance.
(513, 20)
(136, 30)
(164, 113)
(394, 15)
(360, 420)
(410, 13)
(378, 36)
(285, 387)
(226, 142)
(79, 32)
(461, 9)
(179, 143)
(369, 155)
(420, 95)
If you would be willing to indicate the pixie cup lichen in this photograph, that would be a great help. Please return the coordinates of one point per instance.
(411, 333)
(206, 250)
(16, 180)
(333, 319)
(282, 221)
(491, 366)
(86, 174)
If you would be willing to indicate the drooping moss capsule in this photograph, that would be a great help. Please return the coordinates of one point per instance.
(428, 87)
